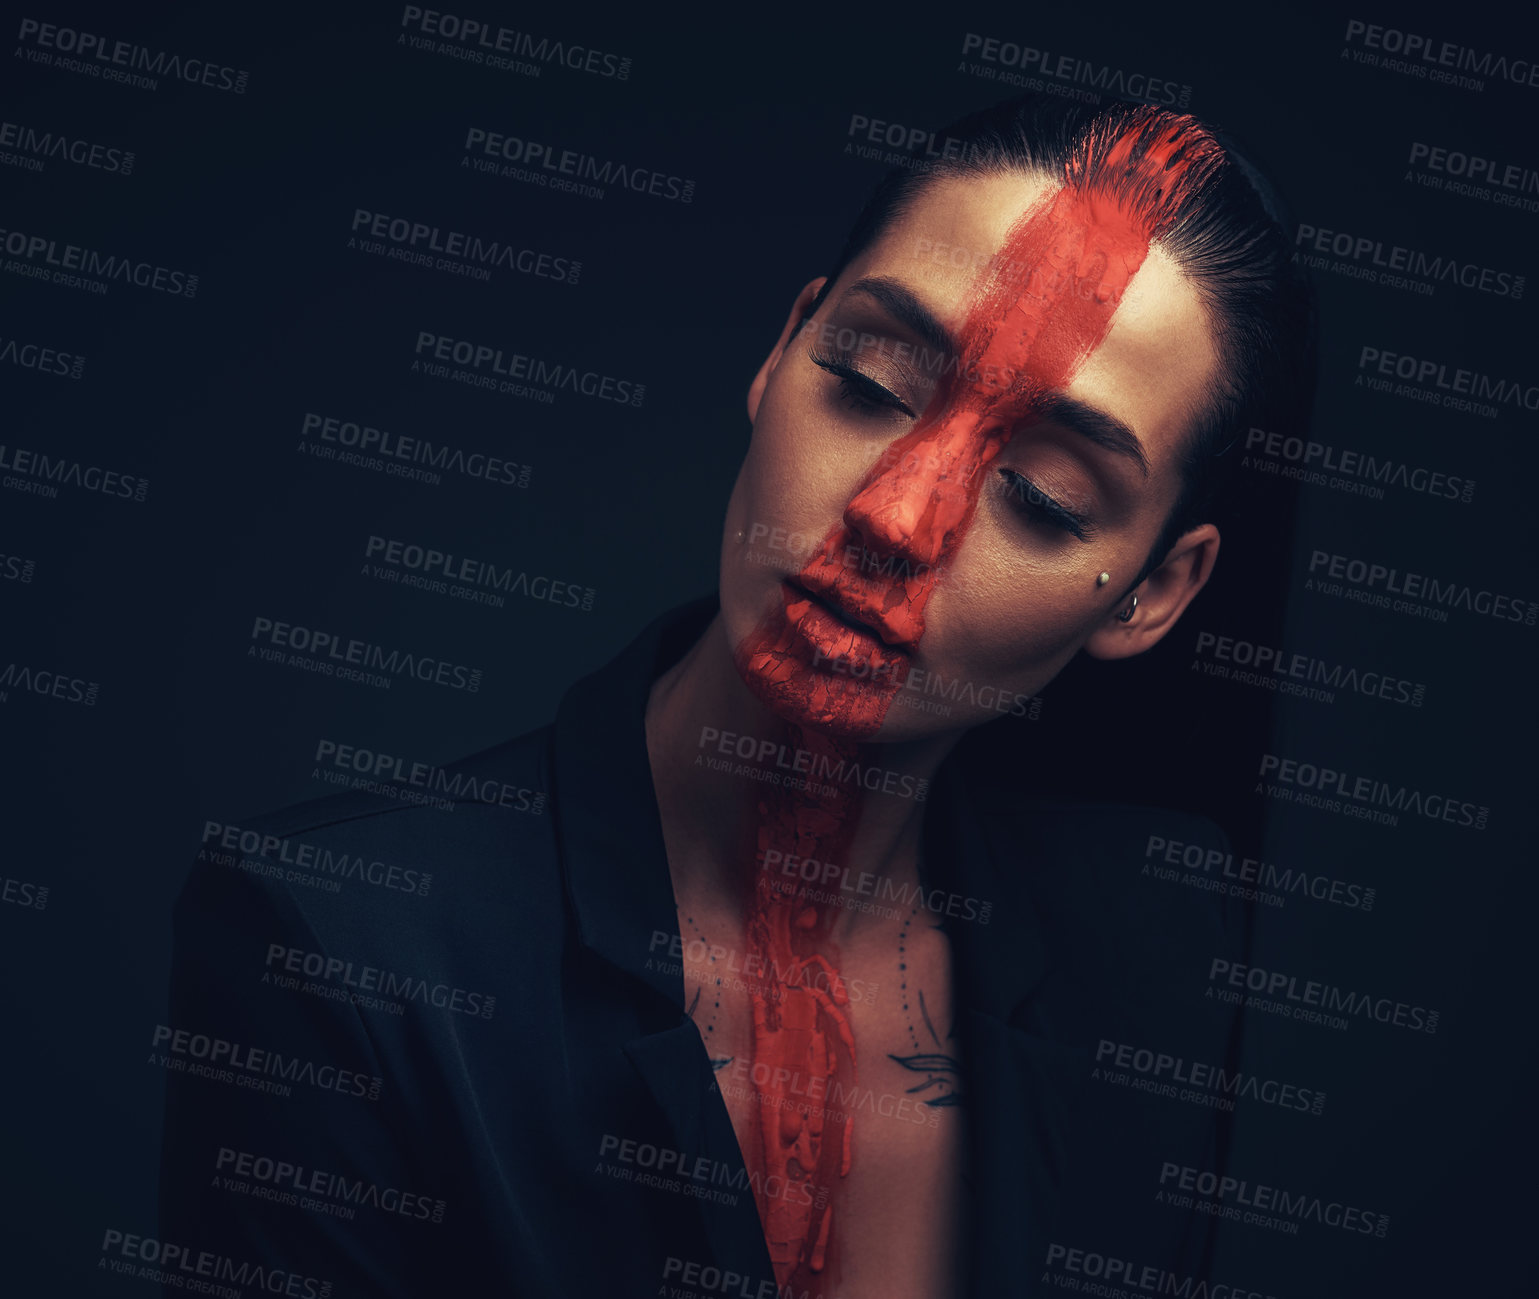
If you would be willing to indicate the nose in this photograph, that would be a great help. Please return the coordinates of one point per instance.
(919, 494)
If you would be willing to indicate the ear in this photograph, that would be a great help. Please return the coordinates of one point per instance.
(1162, 598)
(799, 310)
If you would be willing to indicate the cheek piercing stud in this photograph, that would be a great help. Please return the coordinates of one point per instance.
(1103, 579)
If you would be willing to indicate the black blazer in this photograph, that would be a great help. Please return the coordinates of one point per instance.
(516, 1101)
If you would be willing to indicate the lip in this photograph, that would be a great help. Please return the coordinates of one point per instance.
(833, 631)
(870, 620)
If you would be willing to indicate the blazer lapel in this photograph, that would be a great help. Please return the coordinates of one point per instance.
(611, 842)
(675, 1068)
(1020, 1085)
(608, 831)
(1020, 1106)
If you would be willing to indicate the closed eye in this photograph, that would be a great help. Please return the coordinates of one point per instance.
(859, 390)
(1037, 505)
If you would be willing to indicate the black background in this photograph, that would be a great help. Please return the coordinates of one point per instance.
(205, 397)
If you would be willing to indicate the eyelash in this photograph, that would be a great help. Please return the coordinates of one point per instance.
(860, 392)
(864, 395)
(1039, 505)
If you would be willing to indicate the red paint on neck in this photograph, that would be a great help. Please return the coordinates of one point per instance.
(803, 1043)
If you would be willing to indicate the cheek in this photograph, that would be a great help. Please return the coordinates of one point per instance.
(1008, 620)
(1006, 610)
(783, 504)
(802, 468)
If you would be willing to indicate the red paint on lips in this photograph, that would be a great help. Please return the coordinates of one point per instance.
(807, 663)
(835, 634)
(855, 605)
(1046, 304)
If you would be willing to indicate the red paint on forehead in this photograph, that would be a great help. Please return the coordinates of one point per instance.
(1061, 271)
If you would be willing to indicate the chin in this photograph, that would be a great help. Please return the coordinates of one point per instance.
(831, 706)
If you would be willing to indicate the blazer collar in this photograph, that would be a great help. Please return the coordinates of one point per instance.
(608, 832)
(982, 896)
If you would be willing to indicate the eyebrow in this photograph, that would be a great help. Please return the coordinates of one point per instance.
(1090, 422)
(897, 300)
(1106, 431)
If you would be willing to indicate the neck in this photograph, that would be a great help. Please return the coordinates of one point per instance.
(713, 800)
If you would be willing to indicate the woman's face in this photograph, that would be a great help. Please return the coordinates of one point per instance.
(916, 559)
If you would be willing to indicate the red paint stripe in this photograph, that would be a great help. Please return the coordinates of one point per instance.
(1047, 302)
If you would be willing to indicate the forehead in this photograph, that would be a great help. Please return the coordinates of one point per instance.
(1155, 363)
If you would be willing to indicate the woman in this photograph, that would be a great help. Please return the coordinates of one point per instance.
(767, 1016)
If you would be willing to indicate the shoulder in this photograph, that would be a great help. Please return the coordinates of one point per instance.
(350, 978)
(1127, 941)
(1129, 935)
(441, 854)
(1107, 867)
